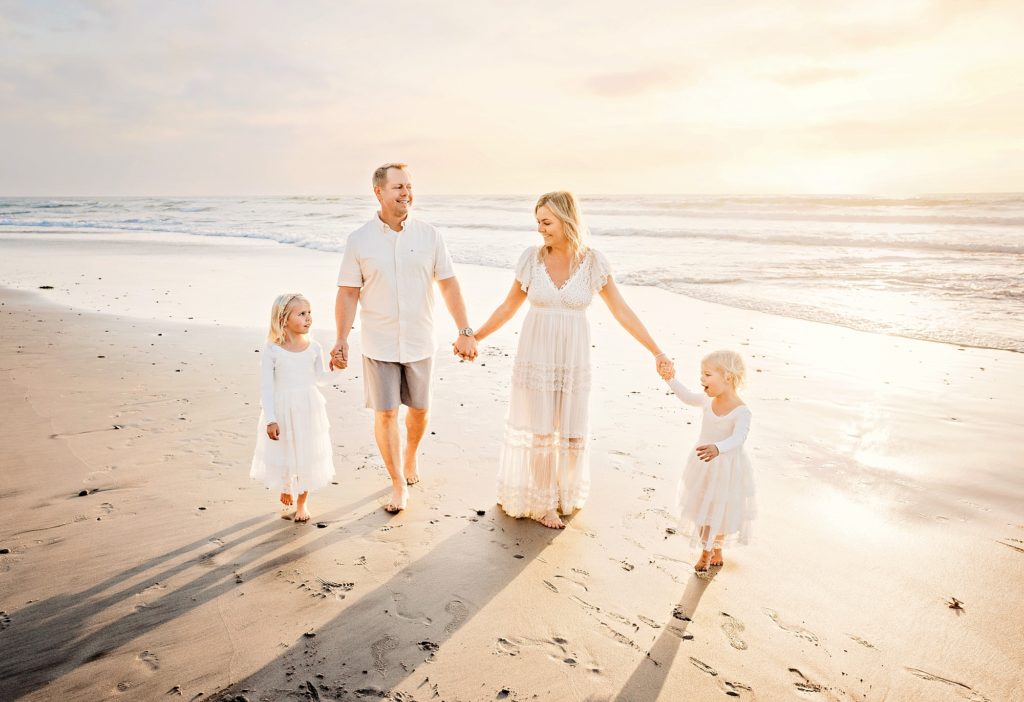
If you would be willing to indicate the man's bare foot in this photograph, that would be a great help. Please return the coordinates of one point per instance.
(399, 499)
(412, 474)
(716, 558)
(301, 515)
(551, 520)
(286, 499)
(701, 566)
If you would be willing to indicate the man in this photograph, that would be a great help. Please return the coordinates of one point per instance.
(389, 267)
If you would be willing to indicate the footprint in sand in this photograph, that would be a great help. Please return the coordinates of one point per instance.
(702, 666)
(506, 647)
(964, 691)
(732, 628)
(459, 613)
(803, 683)
(378, 648)
(791, 628)
(151, 660)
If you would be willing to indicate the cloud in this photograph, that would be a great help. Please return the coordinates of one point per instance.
(640, 81)
(812, 75)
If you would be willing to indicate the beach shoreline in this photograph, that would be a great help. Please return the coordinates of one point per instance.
(886, 475)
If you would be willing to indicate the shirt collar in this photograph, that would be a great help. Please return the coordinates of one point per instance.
(384, 226)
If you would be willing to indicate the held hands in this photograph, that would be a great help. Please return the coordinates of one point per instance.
(707, 452)
(273, 431)
(465, 347)
(666, 368)
(339, 356)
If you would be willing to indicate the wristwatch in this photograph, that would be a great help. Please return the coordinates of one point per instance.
(468, 331)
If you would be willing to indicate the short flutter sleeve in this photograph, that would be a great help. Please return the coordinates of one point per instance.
(524, 268)
(600, 270)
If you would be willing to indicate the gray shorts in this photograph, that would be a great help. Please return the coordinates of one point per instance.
(388, 384)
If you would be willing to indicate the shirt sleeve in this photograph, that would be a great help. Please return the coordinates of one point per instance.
(267, 384)
(443, 266)
(739, 433)
(324, 374)
(350, 275)
(524, 268)
(695, 399)
(600, 271)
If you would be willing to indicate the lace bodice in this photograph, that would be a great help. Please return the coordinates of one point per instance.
(578, 291)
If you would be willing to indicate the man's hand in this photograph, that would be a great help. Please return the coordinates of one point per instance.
(339, 355)
(273, 431)
(707, 452)
(466, 348)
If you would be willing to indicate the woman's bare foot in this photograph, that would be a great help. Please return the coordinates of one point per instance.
(399, 499)
(716, 558)
(551, 520)
(286, 499)
(301, 514)
(701, 566)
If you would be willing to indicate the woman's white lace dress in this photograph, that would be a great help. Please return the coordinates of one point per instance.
(544, 463)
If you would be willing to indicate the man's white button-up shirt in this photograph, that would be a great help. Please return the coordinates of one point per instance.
(395, 272)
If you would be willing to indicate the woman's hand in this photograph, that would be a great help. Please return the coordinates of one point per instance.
(707, 452)
(273, 431)
(666, 367)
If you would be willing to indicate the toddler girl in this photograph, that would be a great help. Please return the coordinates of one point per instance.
(293, 444)
(716, 493)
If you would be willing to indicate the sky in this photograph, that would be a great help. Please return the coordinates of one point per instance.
(734, 96)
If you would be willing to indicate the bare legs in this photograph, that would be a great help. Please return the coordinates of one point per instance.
(415, 427)
(389, 442)
(712, 558)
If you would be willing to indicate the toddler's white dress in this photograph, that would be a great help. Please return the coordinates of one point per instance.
(302, 458)
(544, 462)
(718, 493)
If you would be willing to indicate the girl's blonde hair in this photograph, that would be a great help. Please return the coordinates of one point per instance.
(283, 306)
(564, 206)
(731, 365)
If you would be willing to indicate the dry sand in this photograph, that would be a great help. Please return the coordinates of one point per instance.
(889, 477)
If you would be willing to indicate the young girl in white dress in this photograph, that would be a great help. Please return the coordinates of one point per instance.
(544, 471)
(293, 444)
(716, 492)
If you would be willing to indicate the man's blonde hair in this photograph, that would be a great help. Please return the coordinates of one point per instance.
(283, 306)
(563, 205)
(380, 176)
(731, 365)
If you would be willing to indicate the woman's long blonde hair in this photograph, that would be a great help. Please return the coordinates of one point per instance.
(563, 205)
(283, 306)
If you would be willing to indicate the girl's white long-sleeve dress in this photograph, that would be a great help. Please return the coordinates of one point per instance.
(718, 494)
(301, 459)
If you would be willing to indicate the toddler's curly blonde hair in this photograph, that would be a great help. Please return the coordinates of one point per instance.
(731, 365)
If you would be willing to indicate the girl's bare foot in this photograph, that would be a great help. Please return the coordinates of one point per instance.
(286, 499)
(551, 520)
(301, 514)
(716, 558)
(399, 499)
(701, 566)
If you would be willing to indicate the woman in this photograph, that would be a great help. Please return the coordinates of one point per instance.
(544, 470)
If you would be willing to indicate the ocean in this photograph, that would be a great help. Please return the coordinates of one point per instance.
(946, 268)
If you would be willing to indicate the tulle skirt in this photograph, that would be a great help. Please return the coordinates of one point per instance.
(717, 498)
(302, 459)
